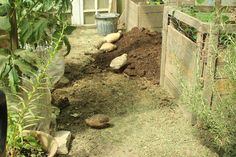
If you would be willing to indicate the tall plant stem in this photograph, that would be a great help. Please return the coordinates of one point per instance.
(14, 30)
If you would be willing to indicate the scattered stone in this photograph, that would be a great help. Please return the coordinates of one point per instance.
(75, 115)
(99, 44)
(63, 139)
(112, 37)
(98, 121)
(119, 62)
(107, 47)
(144, 54)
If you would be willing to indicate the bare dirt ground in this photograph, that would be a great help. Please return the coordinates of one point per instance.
(146, 121)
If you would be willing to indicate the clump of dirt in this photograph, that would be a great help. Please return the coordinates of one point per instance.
(144, 54)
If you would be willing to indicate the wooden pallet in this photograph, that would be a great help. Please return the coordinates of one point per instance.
(183, 59)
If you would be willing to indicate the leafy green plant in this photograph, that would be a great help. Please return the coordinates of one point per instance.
(22, 116)
(31, 147)
(4, 12)
(13, 66)
(155, 2)
(216, 122)
(24, 108)
(39, 21)
(39, 24)
(200, 1)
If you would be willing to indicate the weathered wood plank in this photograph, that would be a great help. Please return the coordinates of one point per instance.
(164, 45)
(189, 20)
(181, 56)
(131, 15)
(200, 58)
(150, 20)
(139, 14)
(228, 2)
(151, 17)
(170, 87)
(209, 74)
(181, 52)
(180, 62)
(149, 9)
(196, 23)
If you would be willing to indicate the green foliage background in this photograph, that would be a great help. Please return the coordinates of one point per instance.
(39, 24)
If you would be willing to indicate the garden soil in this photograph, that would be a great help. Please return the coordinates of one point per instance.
(144, 54)
(145, 120)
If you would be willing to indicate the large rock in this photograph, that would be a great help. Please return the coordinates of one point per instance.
(98, 121)
(63, 139)
(113, 37)
(119, 62)
(107, 47)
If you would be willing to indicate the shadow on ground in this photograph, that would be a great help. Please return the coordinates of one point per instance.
(146, 122)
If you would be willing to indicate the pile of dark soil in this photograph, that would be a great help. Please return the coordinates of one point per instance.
(144, 54)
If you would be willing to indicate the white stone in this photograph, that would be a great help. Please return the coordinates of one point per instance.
(113, 37)
(107, 47)
(119, 62)
(63, 139)
(98, 44)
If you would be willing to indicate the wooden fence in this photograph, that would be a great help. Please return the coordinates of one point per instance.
(205, 3)
(140, 14)
(185, 58)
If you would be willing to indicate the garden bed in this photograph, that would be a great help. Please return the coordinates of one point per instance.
(144, 54)
(186, 59)
(139, 14)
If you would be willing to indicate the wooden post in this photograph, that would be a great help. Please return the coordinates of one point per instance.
(14, 30)
(211, 64)
(164, 44)
(200, 55)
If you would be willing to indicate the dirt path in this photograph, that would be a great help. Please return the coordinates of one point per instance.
(146, 122)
